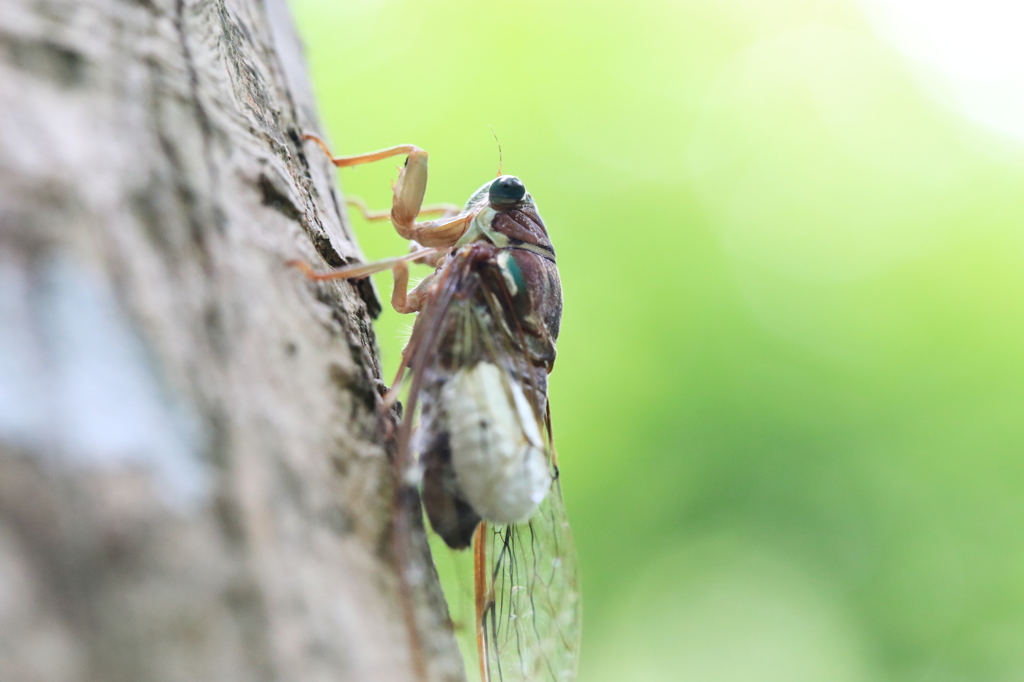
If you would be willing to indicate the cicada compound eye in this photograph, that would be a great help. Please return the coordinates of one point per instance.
(505, 191)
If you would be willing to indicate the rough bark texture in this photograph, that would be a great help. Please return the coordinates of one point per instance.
(193, 485)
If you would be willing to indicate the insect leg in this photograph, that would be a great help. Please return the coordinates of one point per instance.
(408, 302)
(434, 259)
(408, 189)
(407, 200)
(370, 157)
(406, 204)
(482, 595)
(446, 210)
(358, 271)
(440, 233)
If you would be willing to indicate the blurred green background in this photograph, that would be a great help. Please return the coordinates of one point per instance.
(790, 385)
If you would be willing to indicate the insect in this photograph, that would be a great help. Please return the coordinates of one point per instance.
(477, 364)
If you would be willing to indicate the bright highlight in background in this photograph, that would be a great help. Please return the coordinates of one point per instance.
(972, 53)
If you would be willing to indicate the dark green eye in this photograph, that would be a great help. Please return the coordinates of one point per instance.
(505, 191)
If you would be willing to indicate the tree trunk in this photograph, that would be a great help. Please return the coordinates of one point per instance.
(193, 484)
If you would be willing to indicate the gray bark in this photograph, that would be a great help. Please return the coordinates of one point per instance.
(193, 484)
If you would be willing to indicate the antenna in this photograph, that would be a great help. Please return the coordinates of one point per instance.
(499, 148)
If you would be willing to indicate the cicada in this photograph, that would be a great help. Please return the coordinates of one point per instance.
(482, 452)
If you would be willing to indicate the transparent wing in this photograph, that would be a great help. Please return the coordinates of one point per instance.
(531, 626)
(529, 617)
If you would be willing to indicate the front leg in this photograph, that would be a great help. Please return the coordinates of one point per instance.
(407, 200)
(408, 301)
(446, 210)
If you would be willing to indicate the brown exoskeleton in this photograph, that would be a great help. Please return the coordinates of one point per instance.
(481, 348)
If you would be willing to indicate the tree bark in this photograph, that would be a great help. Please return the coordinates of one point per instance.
(193, 481)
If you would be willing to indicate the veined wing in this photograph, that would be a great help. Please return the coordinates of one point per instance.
(527, 574)
(531, 623)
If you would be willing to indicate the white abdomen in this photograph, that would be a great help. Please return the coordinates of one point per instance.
(497, 451)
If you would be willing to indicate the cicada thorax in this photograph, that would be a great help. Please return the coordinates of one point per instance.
(482, 383)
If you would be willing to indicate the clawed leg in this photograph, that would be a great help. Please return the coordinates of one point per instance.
(402, 300)
(345, 161)
(446, 210)
(405, 301)
(483, 596)
(359, 271)
(407, 201)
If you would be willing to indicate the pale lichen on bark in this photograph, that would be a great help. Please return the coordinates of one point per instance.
(193, 484)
